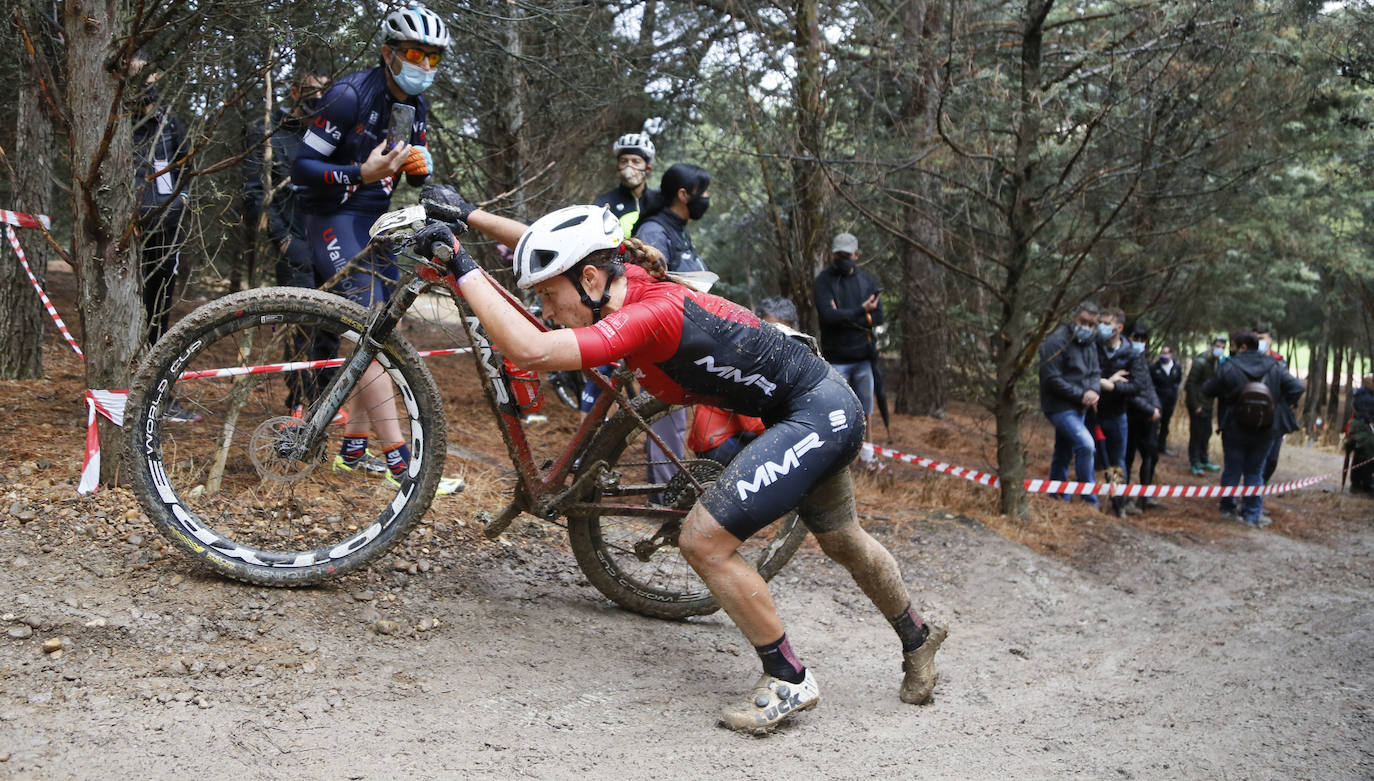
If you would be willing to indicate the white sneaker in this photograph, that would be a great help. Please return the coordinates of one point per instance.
(771, 701)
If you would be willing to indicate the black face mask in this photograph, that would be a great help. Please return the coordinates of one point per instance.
(845, 263)
(697, 206)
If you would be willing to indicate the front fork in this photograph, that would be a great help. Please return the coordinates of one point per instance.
(384, 319)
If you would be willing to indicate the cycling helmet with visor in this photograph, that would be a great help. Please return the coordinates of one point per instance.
(634, 143)
(560, 241)
(416, 24)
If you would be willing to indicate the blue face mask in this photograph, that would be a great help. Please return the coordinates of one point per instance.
(1219, 352)
(413, 79)
(1082, 333)
(1138, 348)
(1104, 331)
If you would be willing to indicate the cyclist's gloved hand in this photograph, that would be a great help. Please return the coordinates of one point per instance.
(436, 240)
(446, 195)
(419, 162)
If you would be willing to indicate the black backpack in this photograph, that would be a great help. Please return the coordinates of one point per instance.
(1255, 407)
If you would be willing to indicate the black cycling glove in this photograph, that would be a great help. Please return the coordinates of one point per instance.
(435, 238)
(445, 195)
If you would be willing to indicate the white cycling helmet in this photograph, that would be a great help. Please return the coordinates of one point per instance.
(560, 240)
(637, 143)
(416, 23)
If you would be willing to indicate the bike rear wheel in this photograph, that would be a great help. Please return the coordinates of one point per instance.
(634, 559)
(206, 444)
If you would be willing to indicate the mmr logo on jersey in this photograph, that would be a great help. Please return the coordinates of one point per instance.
(769, 473)
(731, 373)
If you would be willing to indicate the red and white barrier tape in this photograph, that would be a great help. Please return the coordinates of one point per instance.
(47, 303)
(22, 220)
(296, 366)
(111, 405)
(1104, 489)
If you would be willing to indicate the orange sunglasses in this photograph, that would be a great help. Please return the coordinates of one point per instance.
(417, 56)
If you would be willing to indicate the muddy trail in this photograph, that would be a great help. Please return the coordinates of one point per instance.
(1165, 645)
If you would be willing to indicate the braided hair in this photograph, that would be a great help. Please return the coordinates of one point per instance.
(612, 261)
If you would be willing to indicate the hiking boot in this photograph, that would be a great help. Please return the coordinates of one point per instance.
(447, 485)
(1197, 469)
(175, 413)
(771, 701)
(1231, 515)
(918, 683)
(369, 465)
(1261, 522)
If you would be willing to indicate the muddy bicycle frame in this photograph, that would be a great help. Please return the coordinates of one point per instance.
(540, 491)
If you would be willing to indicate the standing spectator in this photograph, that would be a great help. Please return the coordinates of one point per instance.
(158, 144)
(347, 168)
(1166, 375)
(850, 306)
(1256, 395)
(719, 434)
(1070, 379)
(1143, 415)
(1200, 405)
(634, 159)
(1266, 345)
(1359, 438)
(685, 195)
(271, 200)
(1119, 385)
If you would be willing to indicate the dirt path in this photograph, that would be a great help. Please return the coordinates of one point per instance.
(1247, 657)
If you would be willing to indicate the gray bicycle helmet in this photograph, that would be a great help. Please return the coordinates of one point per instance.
(636, 143)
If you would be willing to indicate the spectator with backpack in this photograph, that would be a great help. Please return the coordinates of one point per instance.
(1255, 395)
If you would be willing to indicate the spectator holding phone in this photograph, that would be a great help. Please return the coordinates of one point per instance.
(368, 130)
(850, 306)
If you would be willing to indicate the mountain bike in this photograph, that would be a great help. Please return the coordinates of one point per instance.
(254, 493)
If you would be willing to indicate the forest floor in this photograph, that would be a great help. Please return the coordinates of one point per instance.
(1165, 645)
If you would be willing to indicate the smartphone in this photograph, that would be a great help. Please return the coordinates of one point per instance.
(402, 123)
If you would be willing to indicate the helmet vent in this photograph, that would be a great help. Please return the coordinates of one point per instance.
(545, 256)
(578, 220)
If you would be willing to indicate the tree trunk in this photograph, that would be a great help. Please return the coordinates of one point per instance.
(923, 387)
(1316, 374)
(111, 303)
(808, 183)
(21, 310)
(513, 110)
(1333, 399)
(1011, 337)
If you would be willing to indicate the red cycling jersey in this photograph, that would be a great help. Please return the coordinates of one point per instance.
(687, 347)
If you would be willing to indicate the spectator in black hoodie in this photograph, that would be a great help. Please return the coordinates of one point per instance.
(1121, 381)
(1245, 444)
(850, 307)
(1142, 418)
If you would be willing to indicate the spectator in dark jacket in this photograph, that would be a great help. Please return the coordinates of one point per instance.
(1200, 406)
(1166, 376)
(850, 307)
(1246, 448)
(1142, 417)
(1265, 335)
(158, 144)
(1116, 360)
(1070, 381)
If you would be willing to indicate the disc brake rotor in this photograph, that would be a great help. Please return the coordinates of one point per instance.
(272, 442)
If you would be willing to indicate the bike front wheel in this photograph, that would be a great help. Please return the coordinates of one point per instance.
(210, 422)
(624, 541)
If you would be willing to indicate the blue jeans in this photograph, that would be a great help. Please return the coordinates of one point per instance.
(860, 378)
(1072, 440)
(1243, 460)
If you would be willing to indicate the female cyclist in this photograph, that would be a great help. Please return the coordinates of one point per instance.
(687, 347)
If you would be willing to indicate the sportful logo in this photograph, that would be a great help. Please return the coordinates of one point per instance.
(838, 420)
(769, 473)
(735, 375)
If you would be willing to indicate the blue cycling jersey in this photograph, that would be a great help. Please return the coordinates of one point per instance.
(353, 118)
